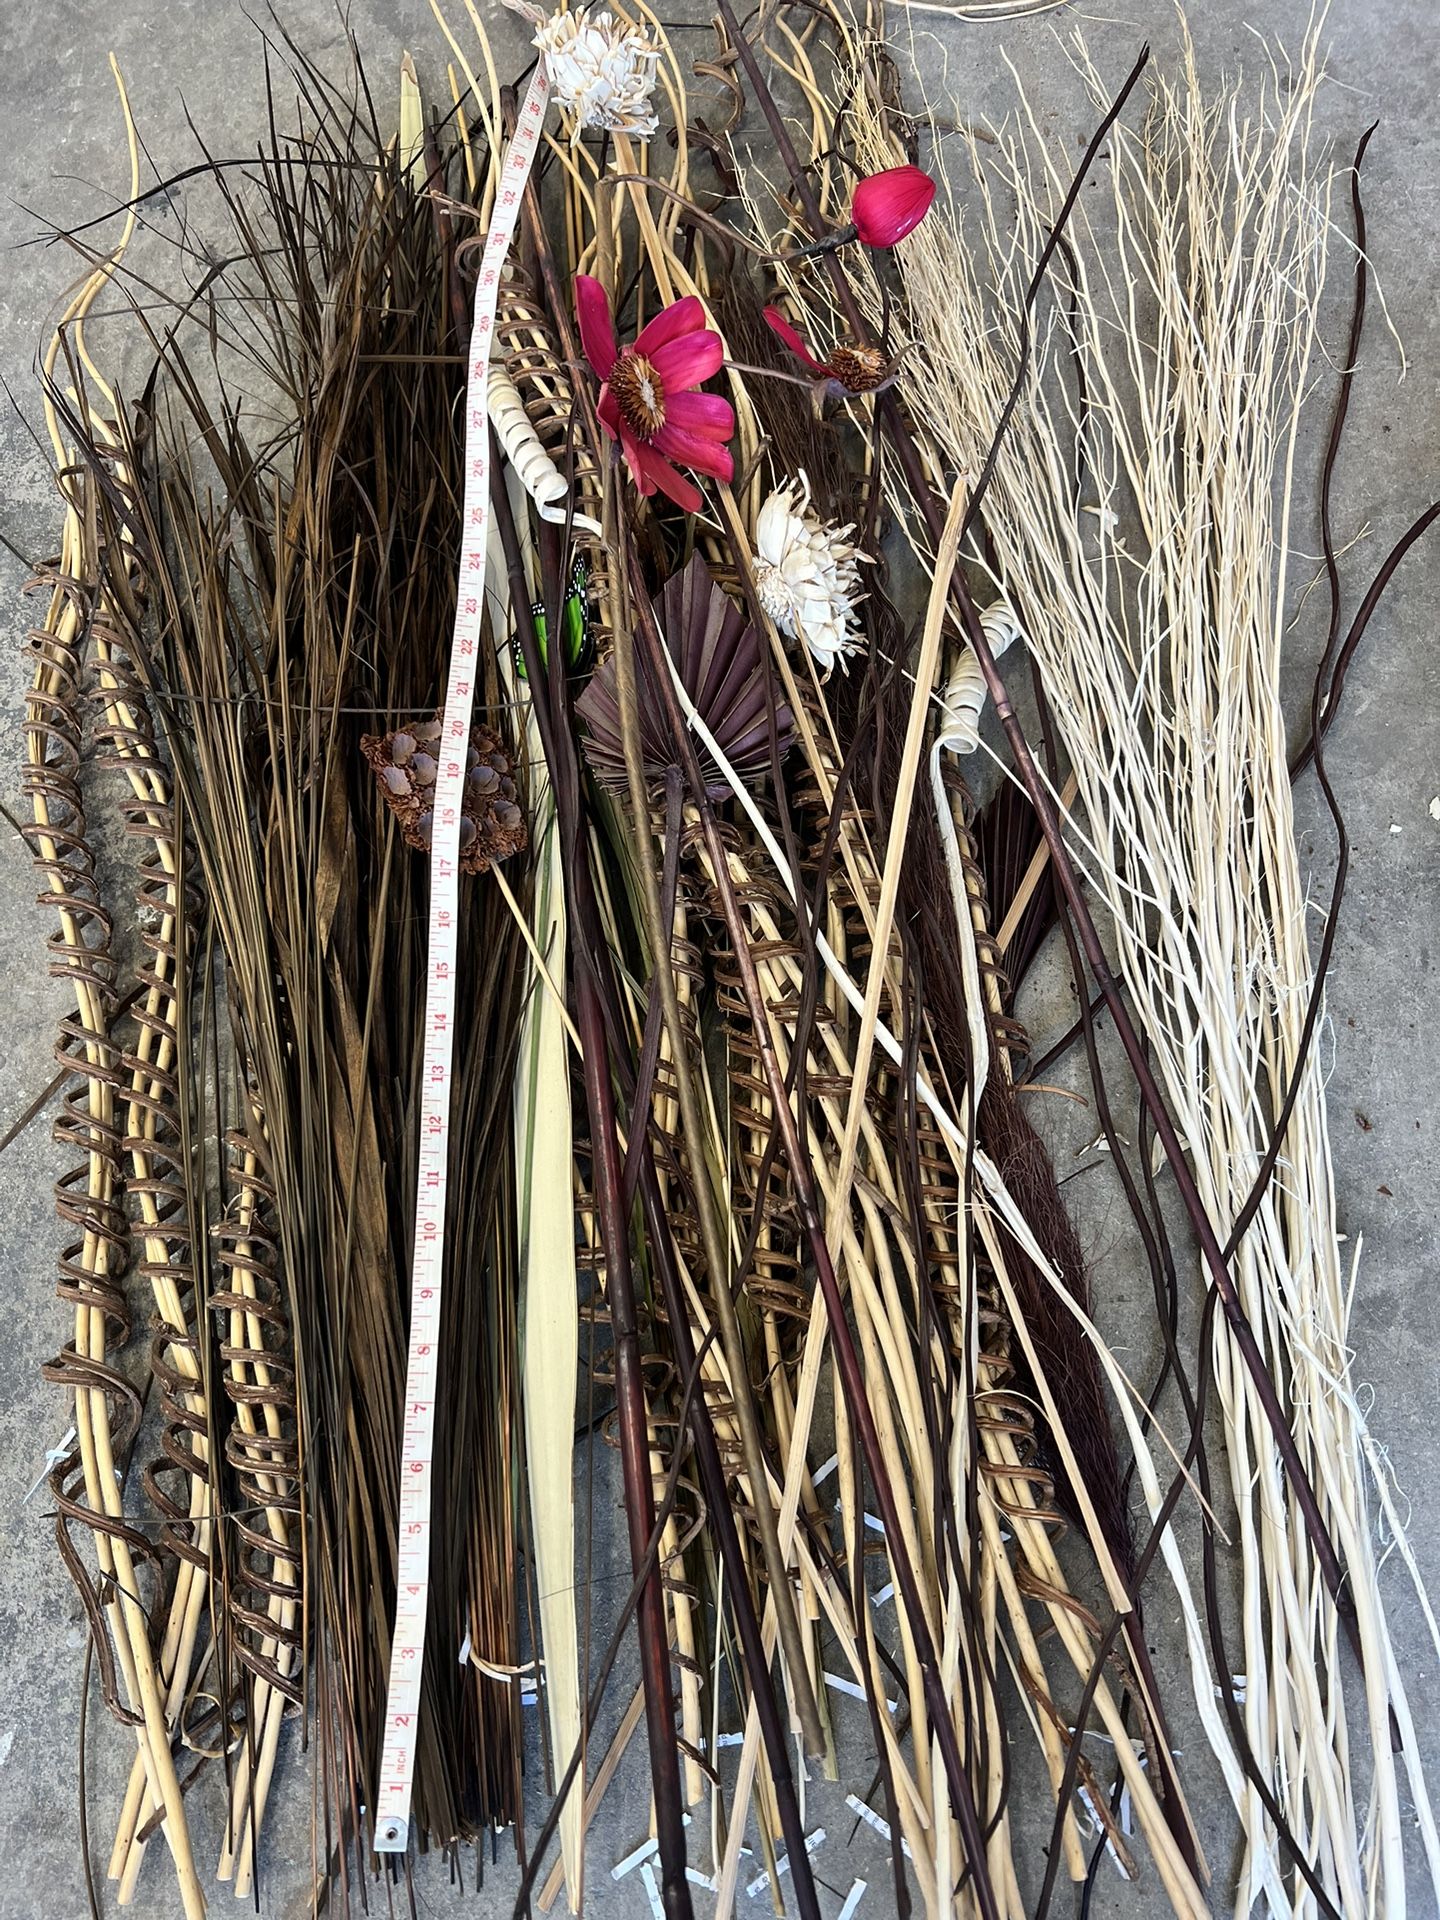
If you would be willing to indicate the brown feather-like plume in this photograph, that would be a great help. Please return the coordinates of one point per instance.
(1007, 835)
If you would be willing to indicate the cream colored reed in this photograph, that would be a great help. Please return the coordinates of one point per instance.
(1156, 607)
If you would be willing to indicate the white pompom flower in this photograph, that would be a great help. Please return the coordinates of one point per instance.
(807, 575)
(602, 72)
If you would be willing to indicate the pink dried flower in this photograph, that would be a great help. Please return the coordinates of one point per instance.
(650, 402)
(887, 206)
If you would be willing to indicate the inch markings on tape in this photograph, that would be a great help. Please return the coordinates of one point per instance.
(422, 1365)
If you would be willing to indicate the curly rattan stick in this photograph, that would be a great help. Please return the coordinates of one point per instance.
(90, 1269)
(263, 1451)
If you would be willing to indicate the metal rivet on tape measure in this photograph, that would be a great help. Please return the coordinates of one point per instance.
(422, 1365)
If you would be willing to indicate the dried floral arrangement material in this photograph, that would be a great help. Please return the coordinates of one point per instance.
(1151, 790)
(492, 826)
(749, 1170)
(717, 657)
(807, 575)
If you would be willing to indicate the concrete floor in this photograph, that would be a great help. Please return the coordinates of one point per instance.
(64, 160)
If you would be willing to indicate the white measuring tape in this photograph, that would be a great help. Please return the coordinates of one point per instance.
(412, 1597)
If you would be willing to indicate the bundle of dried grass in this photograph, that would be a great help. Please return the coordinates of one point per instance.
(254, 605)
(740, 1156)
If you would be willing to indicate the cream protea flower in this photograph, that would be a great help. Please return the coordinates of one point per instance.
(807, 575)
(602, 71)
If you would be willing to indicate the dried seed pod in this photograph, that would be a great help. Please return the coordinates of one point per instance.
(492, 826)
(861, 369)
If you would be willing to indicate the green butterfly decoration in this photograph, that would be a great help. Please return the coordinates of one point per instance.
(574, 624)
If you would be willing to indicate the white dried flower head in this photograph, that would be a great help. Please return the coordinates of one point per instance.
(601, 71)
(807, 575)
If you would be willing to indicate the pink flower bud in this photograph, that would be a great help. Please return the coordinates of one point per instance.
(888, 205)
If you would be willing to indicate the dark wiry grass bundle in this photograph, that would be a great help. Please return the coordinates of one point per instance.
(287, 590)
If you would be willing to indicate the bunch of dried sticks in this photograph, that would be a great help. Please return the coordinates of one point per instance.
(742, 1171)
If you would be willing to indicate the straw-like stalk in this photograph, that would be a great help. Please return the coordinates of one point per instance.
(263, 1450)
(81, 595)
(92, 1269)
(154, 1131)
(1161, 664)
(94, 1266)
(160, 1181)
(544, 1167)
(1016, 1496)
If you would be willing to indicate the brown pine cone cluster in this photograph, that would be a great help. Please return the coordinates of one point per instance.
(492, 827)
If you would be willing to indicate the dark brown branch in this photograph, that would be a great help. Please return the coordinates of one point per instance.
(808, 1207)
(1208, 1239)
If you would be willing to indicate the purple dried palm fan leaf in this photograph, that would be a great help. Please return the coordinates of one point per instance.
(718, 654)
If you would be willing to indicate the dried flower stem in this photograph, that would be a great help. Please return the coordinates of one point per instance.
(629, 1374)
(1214, 1255)
(1171, 1858)
(752, 1446)
(811, 1220)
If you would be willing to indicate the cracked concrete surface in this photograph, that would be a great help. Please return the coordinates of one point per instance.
(63, 160)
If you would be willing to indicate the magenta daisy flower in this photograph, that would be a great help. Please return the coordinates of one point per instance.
(650, 402)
